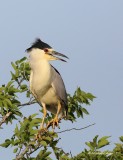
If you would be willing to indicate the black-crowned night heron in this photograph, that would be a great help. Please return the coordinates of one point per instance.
(46, 83)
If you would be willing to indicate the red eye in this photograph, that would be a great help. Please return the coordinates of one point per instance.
(45, 50)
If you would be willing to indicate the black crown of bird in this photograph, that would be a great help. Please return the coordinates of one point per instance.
(38, 44)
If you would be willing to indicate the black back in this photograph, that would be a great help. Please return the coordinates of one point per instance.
(38, 44)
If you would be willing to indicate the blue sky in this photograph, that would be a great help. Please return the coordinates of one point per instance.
(90, 33)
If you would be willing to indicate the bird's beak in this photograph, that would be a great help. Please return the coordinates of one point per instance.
(54, 54)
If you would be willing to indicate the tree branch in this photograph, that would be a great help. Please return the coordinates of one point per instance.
(26, 151)
(25, 104)
(4, 118)
(23, 153)
(77, 129)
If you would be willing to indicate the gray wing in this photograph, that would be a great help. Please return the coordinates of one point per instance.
(59, 87)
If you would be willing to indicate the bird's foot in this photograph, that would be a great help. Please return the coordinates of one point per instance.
(54, 122)
(40, 133)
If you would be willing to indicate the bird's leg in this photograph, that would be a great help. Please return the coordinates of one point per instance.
(42, 129)
(54, 122)
(44, 115)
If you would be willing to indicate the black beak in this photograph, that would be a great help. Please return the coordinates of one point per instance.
(54, 53)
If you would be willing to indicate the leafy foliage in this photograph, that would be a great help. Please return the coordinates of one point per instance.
(75, 104)
(94, 152)
(24, 140)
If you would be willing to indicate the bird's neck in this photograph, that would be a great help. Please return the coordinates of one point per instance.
(41, 75)
(41, 70)
(40, 67)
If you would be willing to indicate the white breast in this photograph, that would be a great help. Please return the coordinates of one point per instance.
(50, 97)
(40, 78)
(40, 86)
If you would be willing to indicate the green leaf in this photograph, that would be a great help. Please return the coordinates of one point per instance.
(90, 96)
(46, 154)
(33, 132)
(43, 143)
(92, 145)
(13, 76)
(48, 138)
(15, 150)
(13, 65)
(24, 86)
(40, 154)
(89, 145)
(6, 143)
(9, 84)
(103, 142)
(121, 138)
(22, 59)
(9, 102)
(85, 111)
(5, 104)
(18, 113)
(34, 115)
(16, 142)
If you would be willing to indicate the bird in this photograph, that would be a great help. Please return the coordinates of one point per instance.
(46, 83)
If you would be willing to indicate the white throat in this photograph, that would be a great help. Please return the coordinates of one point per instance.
(39, 65)
(40, 76)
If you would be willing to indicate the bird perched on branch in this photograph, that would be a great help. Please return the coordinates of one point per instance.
(46, 83)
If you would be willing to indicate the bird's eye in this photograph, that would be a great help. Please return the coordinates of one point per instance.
(45, 50)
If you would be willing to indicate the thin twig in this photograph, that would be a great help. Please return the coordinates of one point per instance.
(19, 82)
(25, 104)
(19, 152)
(39, 146)
(71, 154)
(77, 129)
(4, 118)
(23, 153)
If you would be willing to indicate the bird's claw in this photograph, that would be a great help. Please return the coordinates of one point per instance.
(40, 133)
(54, 122)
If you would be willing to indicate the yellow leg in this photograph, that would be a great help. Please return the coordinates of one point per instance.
(59, 108)
(57, 114)
(54, 122)
(42, 129)
(44, 115)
